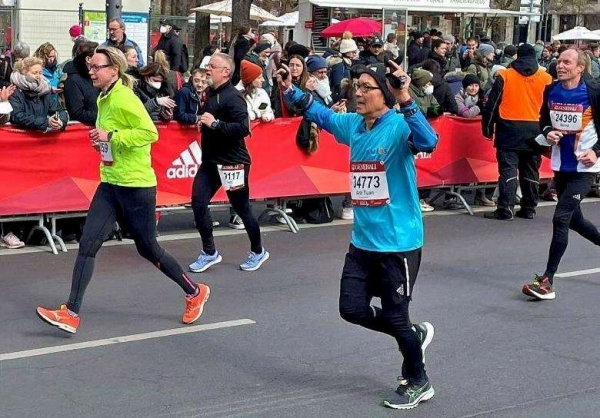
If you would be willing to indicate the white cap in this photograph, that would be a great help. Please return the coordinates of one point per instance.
(348, 45)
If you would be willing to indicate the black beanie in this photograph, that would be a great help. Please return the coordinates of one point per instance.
(525, 50)
(470, 79)
(377, 71)
(298, 49)
(258, 48)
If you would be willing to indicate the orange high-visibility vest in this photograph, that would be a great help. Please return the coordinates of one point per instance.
(522, 96)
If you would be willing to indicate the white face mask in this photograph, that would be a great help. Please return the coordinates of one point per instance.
(428, 90)
(163, 29)
(155, 84)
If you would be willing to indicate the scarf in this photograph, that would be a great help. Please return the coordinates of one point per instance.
(30, 85)
(51, 67)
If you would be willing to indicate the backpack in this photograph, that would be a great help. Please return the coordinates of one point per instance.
(318, 210)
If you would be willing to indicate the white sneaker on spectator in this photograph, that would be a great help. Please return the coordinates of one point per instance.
(425, 207)
(11, 241)
(216, 223)
(347, 213)
(235, 222)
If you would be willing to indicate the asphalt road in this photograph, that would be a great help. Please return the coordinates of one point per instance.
(494, 354)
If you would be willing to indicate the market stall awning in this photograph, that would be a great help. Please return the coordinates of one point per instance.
(449, 6)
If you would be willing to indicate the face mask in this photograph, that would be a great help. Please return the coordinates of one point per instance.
(428, 90)
(163, 29)
(155, 84)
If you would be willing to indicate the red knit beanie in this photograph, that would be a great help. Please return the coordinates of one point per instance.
(249, 72)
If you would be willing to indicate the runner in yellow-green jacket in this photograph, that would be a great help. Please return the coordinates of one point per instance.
(123, 136)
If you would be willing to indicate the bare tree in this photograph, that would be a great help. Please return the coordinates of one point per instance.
(201, 31)
(574, 7)
(240, 13)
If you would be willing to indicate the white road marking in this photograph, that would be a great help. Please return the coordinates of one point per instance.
(577, 273)
(123, 339)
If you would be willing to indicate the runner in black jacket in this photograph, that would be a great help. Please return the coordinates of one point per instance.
(225, 161)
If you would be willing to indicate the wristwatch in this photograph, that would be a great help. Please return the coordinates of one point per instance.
(215, 124)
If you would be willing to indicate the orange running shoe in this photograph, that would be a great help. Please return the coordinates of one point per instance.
(195, 305)
(60, 318)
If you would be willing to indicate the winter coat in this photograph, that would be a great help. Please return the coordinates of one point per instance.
(128, 42)
(416, 54)
(172, 45)
(80, 94)
(32, 111)
(440, 60)
(148, 96)
(188, 105)
(443, 95)
(482, 70)
(240, 49)
(426, 102)
(259, 98)
(454, 81)
(339, 69)
(466, 108)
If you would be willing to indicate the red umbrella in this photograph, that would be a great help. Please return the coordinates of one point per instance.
(360, 26)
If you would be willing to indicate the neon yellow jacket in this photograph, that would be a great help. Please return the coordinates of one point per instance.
(122, 113)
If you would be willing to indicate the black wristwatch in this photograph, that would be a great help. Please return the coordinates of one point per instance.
(215, 124)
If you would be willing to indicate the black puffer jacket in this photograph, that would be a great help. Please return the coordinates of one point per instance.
(80, 93)
(173, 47)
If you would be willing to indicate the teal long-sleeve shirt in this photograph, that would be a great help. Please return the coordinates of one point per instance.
(391, 143)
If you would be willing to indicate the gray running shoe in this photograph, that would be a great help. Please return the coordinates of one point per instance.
(409, 396)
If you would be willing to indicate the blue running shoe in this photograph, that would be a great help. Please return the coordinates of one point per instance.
(204, 261)
(254, 260)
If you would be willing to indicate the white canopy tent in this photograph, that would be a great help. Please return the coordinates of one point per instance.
(223, 8)
(288, 19)
(578, 33)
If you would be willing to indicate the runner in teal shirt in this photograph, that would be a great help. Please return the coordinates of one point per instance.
(385, 250)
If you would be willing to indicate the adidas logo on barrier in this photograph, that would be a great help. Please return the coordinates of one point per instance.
(186, 166)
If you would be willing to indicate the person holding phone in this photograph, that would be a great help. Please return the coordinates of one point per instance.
(257, 99)
(32, 102)
(123, 135)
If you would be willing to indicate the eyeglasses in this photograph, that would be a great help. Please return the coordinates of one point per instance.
(322, 72)
(96, 68)
(214, 67)
(364, 88)
(114, 29)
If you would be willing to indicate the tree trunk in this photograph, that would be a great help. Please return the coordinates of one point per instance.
(240, 14)
(181, 8)
(201, 32)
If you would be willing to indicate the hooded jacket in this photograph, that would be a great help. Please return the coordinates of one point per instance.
(149, 94)
(513, 106)
(80, 93)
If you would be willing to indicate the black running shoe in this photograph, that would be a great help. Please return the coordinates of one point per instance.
(409, 396)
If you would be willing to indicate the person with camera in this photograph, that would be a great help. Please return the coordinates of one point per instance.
(387, 237)
(225, 162)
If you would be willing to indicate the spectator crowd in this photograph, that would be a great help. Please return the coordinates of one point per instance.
(449, 76)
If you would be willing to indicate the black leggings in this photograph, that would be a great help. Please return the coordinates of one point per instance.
(390, 276)
(571, 188)
(206, 184)
(135, 206)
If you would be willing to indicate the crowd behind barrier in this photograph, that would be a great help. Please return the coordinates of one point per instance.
(58, 172)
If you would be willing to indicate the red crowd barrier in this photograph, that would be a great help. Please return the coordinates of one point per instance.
(58, 171)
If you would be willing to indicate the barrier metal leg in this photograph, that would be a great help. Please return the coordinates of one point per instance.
(58, 239)
(462, 200)
(41, 227)
(278, 209)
